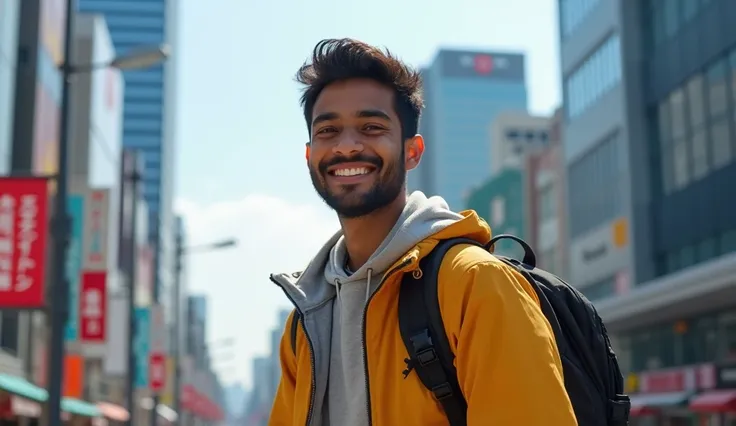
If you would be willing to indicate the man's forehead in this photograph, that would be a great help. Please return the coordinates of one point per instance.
(353, 96)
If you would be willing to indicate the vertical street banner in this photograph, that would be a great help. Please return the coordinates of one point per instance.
(141, 345)
(24, 227)
(93, 307)
(157, 356)
(74, 264)
(96, 228)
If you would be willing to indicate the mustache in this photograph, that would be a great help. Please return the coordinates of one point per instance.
(360, 158)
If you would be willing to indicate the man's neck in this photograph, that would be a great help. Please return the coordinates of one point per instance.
(364, 234)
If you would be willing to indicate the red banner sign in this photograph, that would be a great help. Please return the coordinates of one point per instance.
(23, 236)
(157, 371)
(93, 307)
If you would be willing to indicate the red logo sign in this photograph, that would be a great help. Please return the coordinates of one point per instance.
(93, 307)
(483, 64)
(157, 371)
(23, 235)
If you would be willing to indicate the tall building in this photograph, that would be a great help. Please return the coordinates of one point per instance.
(514, 134)
(463, 92)
(546, 202)
(650, 151)
(149, 114)
(9, 23)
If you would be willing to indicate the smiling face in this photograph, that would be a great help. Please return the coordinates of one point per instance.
(357, 158)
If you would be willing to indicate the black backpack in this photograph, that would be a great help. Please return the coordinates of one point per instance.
(592, 375)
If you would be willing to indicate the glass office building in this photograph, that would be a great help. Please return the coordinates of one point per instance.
(149, 112)
(463, 91)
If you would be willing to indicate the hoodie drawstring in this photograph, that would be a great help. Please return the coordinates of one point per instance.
(368, 285)
(337, 288)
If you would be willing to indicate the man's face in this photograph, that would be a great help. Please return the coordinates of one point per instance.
(356, 159)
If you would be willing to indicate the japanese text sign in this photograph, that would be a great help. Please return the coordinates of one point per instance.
(157, 371)
(23, 236)
(96, 230)
(93, 307)
(141, 345)
(74, 263)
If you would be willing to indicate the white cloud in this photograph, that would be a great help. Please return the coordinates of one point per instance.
(274, 235)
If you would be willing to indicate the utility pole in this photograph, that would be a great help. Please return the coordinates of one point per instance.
(60, 230)
(133, 177)
(176, 355)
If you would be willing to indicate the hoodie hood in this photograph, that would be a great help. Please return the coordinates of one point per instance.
(420, 218)
(422, 224)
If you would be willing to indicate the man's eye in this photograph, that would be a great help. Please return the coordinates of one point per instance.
(372, 127)
(326, 130)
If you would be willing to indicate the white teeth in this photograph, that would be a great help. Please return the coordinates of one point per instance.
(352, 172)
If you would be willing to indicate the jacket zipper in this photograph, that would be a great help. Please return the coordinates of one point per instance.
(312, 360)
(363, 337)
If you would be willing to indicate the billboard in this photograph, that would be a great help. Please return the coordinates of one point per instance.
(23, 233)
(74, 263)
(157, 349)
(142, 345)
(48, 86)
(482, 65)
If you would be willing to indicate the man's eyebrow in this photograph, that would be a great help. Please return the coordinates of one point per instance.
(324, 117)
(373, 113)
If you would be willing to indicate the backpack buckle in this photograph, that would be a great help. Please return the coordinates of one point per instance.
(619, 410)
(442, 391)
(426, 356)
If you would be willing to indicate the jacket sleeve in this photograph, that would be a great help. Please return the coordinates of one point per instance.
(282, 412)
(507, 360)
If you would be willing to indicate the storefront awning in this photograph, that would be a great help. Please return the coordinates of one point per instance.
(717, 401)
(651, 403)
(80, 408)
(21, 387)
(113, 411)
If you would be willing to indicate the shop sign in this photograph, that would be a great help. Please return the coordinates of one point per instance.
(691, 378)
(727, 376)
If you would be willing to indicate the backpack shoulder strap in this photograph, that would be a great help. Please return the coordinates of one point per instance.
(294, 329)
(423, 333)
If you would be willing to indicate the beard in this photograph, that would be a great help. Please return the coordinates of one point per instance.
(351, 202)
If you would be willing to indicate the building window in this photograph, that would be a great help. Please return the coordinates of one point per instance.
(698, 137)
(594, 187)
(595, 77)
(9, 331)
(573, 13)
(728, 337)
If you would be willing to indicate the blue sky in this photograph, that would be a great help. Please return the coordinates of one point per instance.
(240, 154)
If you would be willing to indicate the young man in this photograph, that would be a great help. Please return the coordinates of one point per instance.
(362, 108)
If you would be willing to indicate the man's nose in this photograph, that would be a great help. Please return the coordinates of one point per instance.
(348, 143)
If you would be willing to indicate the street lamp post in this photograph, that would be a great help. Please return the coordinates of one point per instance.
(60, 222)
(181, 251)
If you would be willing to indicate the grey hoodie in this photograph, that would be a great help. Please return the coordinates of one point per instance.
(332, 302)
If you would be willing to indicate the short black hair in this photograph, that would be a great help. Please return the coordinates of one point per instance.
(336, 60)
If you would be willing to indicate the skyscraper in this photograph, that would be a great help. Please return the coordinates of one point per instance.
(149, 113)
(463, 92)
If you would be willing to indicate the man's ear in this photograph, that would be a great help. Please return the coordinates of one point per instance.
(307, 151)
(414, 149)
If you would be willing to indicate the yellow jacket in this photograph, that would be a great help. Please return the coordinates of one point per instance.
(506, 357)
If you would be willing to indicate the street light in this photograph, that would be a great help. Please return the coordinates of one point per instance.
(60, 222)
(181, 251)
